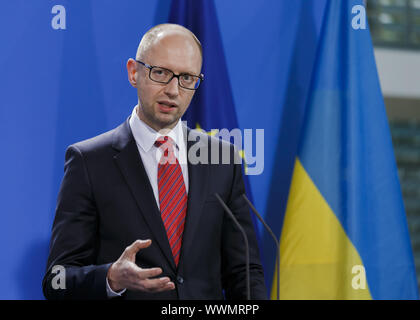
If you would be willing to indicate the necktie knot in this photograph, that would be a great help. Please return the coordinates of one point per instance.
(166, 144)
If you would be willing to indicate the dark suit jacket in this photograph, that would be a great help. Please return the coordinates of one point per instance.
(106, 202)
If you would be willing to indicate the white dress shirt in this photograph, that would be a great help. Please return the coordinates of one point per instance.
(145, 138)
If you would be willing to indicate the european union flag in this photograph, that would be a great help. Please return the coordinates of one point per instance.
(345, 233)
(212, 106)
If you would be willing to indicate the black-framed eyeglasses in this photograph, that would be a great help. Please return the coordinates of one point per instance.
(163, 75)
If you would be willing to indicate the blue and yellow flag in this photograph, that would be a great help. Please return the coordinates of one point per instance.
(345, 233)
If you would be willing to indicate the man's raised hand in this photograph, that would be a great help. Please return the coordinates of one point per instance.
(125, 274)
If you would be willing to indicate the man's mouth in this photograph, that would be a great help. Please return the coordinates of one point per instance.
(166, 106)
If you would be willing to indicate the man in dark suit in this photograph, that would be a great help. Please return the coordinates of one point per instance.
(154, 179)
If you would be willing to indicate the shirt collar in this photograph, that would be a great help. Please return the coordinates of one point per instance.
(146, 136)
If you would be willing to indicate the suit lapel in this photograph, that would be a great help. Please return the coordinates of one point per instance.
(197, 192)
(132, 168)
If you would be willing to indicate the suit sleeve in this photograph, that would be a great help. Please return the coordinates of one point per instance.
(74, 240)
(233, 261)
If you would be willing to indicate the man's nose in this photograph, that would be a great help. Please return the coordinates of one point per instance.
(172, 88)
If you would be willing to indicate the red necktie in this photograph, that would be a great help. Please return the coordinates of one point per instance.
(172, 195)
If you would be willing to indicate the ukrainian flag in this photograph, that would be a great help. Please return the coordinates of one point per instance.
(344, 233)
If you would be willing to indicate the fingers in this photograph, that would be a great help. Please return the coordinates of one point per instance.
(132, 277)
(155, 285)
(148, 273)
(136, 246)
(142, 279)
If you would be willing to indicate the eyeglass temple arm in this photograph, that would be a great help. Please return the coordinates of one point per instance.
(145, 64)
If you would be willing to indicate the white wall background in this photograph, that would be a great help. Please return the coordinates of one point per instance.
(399, 72)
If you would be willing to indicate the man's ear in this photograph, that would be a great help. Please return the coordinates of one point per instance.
(132, 72)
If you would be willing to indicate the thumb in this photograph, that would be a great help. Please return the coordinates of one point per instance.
(136, 246)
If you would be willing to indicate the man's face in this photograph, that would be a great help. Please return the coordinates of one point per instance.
(162, 105)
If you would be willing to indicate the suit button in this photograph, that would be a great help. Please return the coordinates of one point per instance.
(180, 279)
